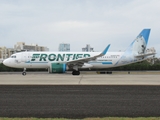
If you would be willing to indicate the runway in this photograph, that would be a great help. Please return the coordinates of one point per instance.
(88, 95)
(83, 79)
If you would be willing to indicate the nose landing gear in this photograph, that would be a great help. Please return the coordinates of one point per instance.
(24, 72)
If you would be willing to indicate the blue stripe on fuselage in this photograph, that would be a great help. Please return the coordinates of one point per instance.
(101, 62)
(106, 62)
(35, 62)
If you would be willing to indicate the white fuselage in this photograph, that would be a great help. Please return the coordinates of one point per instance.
(44, 59)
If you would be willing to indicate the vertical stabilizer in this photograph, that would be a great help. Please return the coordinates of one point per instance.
(137, 47)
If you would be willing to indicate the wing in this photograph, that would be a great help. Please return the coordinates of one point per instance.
(80, 62)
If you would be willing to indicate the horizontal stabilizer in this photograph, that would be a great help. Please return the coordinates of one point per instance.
(144, 55)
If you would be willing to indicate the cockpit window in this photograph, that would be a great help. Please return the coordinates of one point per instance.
(13, 56)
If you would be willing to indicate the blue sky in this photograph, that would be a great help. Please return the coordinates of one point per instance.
(79, 22)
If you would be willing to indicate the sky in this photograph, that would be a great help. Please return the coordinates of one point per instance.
(79, 22)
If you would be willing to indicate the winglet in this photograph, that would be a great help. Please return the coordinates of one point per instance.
(105, 50)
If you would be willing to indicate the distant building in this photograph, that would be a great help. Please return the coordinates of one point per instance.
(151, 59)
(21, 46)
(5, 52)
(150, 50)
(64, 47)
(88, 48)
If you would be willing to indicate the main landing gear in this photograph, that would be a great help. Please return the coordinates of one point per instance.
(75, 72)
(24, 72)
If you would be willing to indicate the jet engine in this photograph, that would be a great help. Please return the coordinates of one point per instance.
(57, 68)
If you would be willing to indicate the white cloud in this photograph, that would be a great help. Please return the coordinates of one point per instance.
(78, 22)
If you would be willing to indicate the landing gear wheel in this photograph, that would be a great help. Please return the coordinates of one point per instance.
(78, 73)
(75, 73)
(23, 73)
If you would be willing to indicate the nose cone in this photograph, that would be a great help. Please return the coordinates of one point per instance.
(6, 62)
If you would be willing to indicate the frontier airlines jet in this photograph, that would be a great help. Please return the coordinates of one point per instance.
(59, 62)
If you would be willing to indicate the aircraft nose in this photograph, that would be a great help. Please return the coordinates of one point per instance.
(6, 62)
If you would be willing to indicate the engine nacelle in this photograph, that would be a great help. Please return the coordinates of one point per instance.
(57, 68)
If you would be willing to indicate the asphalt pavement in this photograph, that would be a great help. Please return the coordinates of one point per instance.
(79, 101)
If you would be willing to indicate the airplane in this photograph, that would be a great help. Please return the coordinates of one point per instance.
(60, 62)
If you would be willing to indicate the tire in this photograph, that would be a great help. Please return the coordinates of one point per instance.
(75, 73)
(23, 73)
